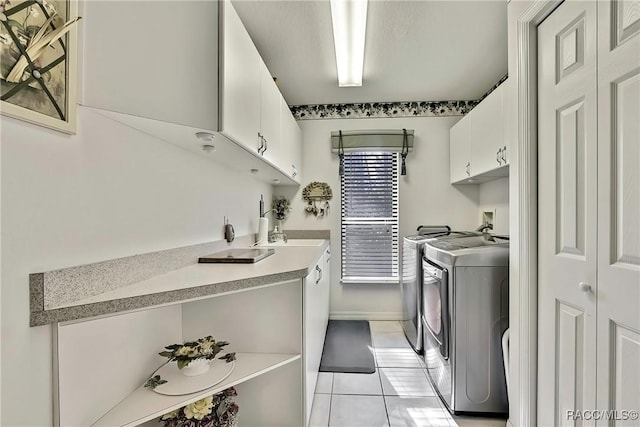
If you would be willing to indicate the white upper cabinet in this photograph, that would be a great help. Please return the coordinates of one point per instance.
(269, 116)
(193, 68)
(460, 150)
(479, 142)
(291, 152)
(142, 68)
(240, 82)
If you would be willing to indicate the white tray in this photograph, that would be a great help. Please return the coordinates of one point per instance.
(178, 384)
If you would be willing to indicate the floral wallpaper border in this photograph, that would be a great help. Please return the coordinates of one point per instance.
(494, 87)
(388, 109)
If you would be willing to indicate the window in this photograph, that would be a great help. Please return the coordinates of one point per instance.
(370, 191)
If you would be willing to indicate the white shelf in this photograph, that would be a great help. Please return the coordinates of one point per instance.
(144, 404)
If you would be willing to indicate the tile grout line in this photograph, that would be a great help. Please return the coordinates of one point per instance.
(330, 400)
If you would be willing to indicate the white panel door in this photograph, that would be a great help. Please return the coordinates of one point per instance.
(567, 206)
(618, 371)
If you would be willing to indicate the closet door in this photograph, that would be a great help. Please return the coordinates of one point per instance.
(618, 369)
(567, 209)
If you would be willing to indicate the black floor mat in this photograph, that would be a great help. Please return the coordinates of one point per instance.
(347, 348)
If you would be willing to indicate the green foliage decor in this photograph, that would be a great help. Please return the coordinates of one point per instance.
(203, 348)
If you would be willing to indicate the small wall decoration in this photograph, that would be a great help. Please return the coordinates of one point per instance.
(317, 196)
(38, 61)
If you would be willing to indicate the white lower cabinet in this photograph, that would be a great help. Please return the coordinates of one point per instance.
(316, 317)
(100, 365)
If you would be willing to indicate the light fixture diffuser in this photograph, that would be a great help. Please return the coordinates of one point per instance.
(349, 18)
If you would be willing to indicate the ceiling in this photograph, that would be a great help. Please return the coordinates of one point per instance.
(415, 50)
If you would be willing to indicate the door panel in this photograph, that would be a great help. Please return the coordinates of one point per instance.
(567, 166)
(569, 355)
(618, 368)
(625, 230)
(625, 370)
(570, 170)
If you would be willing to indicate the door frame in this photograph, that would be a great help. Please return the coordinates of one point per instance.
(524, 215)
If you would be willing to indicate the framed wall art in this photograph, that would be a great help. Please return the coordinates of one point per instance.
(38, 61)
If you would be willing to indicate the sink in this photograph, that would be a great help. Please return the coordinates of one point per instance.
(295, 242)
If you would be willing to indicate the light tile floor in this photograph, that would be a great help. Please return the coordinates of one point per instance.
(398, 394)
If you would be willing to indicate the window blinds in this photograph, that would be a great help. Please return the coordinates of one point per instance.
(370, 198)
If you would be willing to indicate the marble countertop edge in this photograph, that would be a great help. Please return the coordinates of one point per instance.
(85, 311)
(196, 281)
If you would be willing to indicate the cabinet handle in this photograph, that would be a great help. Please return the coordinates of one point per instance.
(468, 170)
(319, 270)
(498, 156)
(294, 171)
(260, 143)
(266, 145)
(504, 155)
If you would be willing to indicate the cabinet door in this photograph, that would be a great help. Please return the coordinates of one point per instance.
(315, 327)
(487, 138)
(269, 115)
(291, 142)
(508, 126)
(240, 82)
(459, 150)
(135, 67)
(326, 294)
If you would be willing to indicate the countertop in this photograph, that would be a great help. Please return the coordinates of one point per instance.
(192, 282)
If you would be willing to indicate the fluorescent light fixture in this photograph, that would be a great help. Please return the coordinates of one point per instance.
(349, 18)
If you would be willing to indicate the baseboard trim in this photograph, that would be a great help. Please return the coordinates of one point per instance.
(363, 315)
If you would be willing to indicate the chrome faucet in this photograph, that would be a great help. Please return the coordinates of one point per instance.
(484, 227)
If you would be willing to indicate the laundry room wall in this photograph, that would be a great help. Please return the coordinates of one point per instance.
(107, 192)
(426, 197)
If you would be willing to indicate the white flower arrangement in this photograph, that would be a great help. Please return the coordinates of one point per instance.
(203, 348)
(219, 410)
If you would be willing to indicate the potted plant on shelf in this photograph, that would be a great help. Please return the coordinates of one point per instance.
(219, 410)
(281, 207)
(193, 357)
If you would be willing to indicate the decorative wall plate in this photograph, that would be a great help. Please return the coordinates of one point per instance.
(178, 384)
(317, 195)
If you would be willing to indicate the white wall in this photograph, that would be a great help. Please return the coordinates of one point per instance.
(426, 197)
(107, 192)
(494, 196)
